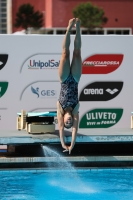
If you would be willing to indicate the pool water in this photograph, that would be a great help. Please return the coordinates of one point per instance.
(72, 184)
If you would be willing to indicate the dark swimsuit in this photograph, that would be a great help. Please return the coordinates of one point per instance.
(69, 93)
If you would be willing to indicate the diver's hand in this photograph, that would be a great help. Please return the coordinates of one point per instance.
(65, 147)
(70, 149)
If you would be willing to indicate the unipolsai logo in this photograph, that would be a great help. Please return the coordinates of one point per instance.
(38, 64)
(3, 88)
(43, 93)
(41, 62)
(102, 63)
(3, 60)
(101, 91)
(101, 118)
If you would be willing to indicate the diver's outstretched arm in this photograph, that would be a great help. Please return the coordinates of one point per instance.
(74, 132)
(61, 126)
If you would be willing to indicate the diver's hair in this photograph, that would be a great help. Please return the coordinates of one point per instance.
(68, 127)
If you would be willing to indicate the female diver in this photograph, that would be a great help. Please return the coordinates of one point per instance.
(68, 104)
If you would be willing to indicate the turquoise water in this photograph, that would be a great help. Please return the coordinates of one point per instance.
(72, 184)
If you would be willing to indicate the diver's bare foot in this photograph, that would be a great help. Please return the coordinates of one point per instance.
(78, 22)
(71, 24)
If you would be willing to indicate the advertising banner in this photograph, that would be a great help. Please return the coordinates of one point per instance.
(29, 78)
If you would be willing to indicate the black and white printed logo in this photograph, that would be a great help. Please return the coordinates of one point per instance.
(101, 91)
(3, 60)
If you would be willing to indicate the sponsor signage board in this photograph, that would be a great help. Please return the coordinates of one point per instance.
(29, 78)
(101, 91)
(3, 88)
(101, 63)
(40, 90)
(3, 60)
(101, 118)
(41, 63)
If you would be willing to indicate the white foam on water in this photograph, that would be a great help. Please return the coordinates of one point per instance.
(73, 186)
(19, 197)
(69, 179)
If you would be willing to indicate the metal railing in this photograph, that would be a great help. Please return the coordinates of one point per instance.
(84, 31)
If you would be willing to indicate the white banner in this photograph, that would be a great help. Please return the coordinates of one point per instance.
(29, 78)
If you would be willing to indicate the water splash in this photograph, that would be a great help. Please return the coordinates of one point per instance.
(68, 178)
(60, 163)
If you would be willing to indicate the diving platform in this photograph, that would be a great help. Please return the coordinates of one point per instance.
(8, 137)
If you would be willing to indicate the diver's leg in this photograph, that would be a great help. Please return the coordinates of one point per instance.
(64, 66)
(76, 66)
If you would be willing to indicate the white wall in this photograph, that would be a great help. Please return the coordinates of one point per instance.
(22, 49)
